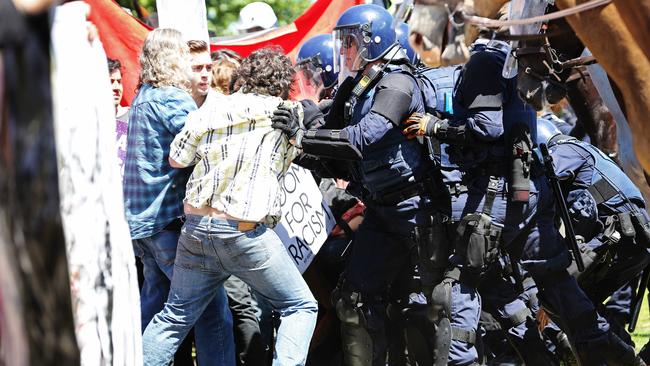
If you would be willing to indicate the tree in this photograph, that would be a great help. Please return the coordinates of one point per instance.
(222, 13)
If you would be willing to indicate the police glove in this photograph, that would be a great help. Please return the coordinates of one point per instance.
(312, 116)
(287, 120)
(419, 124)
(325, 105)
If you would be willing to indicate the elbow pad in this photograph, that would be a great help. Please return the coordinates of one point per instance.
(452, 134)
(393, 97)
(333, 144)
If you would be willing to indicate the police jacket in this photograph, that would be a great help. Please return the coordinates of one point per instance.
(486, 107)
(390, 162)
(584, 166)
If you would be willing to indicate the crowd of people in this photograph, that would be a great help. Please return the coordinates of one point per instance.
(447, 249)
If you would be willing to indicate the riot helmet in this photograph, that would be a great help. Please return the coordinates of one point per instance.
(402, 34)
(363, 33)
(546, 130)
(315, 67)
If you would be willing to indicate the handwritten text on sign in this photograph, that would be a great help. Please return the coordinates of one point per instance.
(306, 220)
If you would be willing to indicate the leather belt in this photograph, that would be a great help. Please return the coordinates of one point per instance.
(244, 226)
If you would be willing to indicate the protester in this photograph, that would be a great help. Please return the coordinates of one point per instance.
(249, 347)
(121, 112)
(154, 191)
(232, 201)
(222, 71)
(201, 75)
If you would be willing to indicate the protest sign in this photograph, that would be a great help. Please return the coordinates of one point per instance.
(306, 219)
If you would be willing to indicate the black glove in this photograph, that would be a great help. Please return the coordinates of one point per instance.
(325, 105)
(286, 119)
(313, 117)
(418, 124)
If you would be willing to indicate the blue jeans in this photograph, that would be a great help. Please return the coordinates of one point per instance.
(157, 254)
(210, 250)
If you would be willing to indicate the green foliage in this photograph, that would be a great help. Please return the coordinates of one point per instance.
(642, 331)
(222, 13)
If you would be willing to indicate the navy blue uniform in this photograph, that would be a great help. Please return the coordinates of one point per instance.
(590, 172)
(486, 108)
(383, 247)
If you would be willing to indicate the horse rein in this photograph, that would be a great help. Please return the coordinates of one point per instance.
(495, 23)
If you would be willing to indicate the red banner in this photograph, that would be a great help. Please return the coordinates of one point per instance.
(123, 35)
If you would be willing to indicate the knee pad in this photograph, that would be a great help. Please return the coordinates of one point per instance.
(348, 313)
(358, 343)
(441, 301)
(433, 250)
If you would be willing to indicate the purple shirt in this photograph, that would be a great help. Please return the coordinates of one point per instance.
(121, 128)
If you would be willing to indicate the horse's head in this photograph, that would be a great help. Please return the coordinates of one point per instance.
(538, 80)
(541, 73)
(540, 77)
(430, 26)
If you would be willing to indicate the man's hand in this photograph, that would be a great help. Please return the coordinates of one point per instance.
(286, 120)
(419, 124)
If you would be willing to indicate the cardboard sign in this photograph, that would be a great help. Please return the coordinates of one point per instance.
(306, 219)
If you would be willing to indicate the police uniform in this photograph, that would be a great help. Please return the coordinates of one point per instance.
(387, 171)
(485, 213)
(608, 210)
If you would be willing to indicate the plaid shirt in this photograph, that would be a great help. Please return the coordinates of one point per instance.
(153, 190)
(240, 159)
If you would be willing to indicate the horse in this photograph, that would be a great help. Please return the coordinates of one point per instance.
(550, 68)
(621, 50)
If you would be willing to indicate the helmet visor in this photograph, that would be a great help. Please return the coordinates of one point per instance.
(350, 51)
(520, 9)
(309, 79)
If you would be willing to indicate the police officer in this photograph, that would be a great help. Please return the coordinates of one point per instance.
(402, 34)
(315, 73)
(390, 174)
(607, 209)
(502, 204)
(505, 299)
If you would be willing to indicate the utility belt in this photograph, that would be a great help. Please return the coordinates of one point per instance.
(488, 169)
(632, 224)
(390, 198)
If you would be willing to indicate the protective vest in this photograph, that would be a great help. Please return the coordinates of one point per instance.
(392, 162)
(609, 185)
(437, 87)
(515, 111)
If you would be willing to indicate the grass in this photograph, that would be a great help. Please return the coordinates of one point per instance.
(642, 331)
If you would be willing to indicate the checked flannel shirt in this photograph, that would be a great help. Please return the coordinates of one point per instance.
(153, 190)
(239, 158)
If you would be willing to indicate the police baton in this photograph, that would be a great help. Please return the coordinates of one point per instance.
(638, 299)
(561, 203)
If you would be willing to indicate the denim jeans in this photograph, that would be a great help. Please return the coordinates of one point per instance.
(210, 250)
(213, 333)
